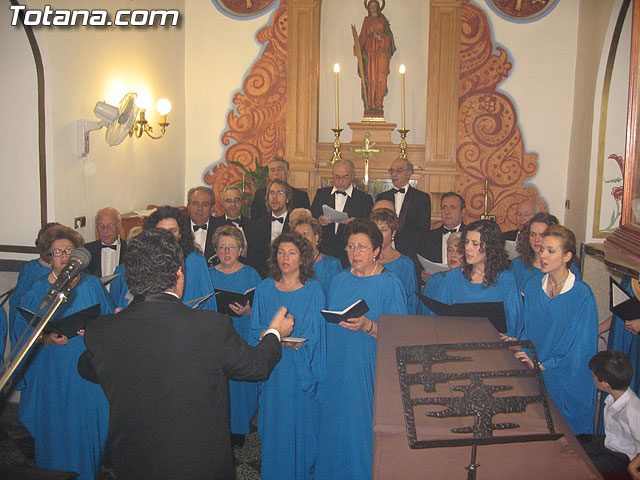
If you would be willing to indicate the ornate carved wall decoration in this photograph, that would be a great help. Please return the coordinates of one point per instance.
(490, 144)
(256, 127)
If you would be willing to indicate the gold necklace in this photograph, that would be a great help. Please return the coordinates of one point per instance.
(558, 286)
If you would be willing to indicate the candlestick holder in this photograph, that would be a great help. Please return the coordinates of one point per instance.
(403, 142)
(337, 155)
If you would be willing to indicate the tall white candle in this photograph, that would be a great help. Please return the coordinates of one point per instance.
(402, 74)
(336, 71)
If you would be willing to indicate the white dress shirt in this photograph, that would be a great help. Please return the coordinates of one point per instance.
(200, 237)
(340, 201)
(622, 423)
(276, 227)
(109, 258)
(399, 199)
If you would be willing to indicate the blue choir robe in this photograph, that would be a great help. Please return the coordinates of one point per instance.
(67, 416)
(289, 407)
(405, 270)
(430, 290)
(197, 283)
(3, 335)
(522, 273)
(325, 269)
(564, 332)
(455, 288)
(243, 396)
(32, 271)
(346, 418)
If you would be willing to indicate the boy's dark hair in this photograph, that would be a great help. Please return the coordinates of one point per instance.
(613, 367)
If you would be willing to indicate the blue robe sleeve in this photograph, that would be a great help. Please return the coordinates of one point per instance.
(512, 304)
(119, 290)
(197, 281)
(31, 272)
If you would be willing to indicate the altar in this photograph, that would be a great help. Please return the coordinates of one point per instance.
(560, 458)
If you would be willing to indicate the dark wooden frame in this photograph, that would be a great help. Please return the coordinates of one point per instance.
(42, 153)
(626, 239)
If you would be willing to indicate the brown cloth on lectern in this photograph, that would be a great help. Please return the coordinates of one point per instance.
(561, 459)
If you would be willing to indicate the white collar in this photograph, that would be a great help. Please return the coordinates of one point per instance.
(172, 293)
(621, 402)
(284, 215)
(232, 219)
(348, 191)
(568, 283)
(193, 224)
(406, 188)
(117, 242)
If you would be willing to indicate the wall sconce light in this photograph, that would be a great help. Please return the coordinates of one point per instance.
(141, 125)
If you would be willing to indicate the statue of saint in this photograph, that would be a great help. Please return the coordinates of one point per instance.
(374, 48)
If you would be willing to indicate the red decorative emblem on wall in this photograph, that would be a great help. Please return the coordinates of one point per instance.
(243, 8)
(257, 125)
(490, 143)
(522, 10)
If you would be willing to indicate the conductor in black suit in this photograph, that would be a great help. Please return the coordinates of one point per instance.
(232, 202)
(108, 251)
(413, 206)
(200, 202)
(267, 228)
(164, 369)
(344, 197)
(432, 244)
(278, 169)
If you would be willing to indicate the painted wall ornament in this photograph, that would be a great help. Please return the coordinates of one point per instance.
(522, 10)
(243, 9)
(374, 47)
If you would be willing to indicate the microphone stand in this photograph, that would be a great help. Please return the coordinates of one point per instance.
(10, 367)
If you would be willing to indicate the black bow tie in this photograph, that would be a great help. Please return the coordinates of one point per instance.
(277, 219)
(398, 190)
(112, 247)
(198, 227)
(445, 230)
(340, 192)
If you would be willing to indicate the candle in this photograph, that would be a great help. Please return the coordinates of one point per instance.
(336, 71)
(402, 74)
(366, 170)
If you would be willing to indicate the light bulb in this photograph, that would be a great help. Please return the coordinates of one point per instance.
(163, 106)
(143, 100)
(336, 68)
(402, 69)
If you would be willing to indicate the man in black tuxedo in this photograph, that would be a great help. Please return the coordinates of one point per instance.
(164, 369)
(525, 211)
(344, 197)
(432, 244)
(200, 202)
(267, 228)
(108, 251)
(413, 206)
(232, 202)
(278, 169)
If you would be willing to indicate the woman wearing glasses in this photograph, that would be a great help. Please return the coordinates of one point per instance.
(231, 275)
(288, 415)
(67, 416)
(346, 418)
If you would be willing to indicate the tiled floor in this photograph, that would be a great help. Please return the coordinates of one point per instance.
(16, 447)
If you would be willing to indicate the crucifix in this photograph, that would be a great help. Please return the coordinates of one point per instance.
(367, 150)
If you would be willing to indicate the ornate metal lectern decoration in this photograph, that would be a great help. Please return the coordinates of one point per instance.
(475, 396)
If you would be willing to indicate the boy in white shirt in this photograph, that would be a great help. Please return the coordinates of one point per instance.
(619, 449)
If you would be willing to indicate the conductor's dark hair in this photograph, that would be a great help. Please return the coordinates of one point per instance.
(306, 256)
(366, 227)
(527, 255)
(186, 235)
(613, 367)
(492, 244)
(152, 262)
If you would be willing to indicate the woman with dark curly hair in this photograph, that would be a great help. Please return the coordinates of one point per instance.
(325, 266)
(288, 414)
(346, 418)
(67, 416)
(197, 281)
(484, 274)
(527, 265)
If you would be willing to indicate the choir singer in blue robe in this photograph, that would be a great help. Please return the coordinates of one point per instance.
(483, 276)
(561, 319)
(231, 275)
(346, 426)
(454, 260)
(289, 407)
(393, 260)
(67, 416)
(325, 266)
(527, 265)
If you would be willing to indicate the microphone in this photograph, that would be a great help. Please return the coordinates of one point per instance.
(78, 260)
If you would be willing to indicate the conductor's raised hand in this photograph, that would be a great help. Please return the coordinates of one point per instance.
(282, 322)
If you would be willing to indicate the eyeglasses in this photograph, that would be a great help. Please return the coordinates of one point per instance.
(232, 200)
(58, 253)
(341, 177)
(359, 248)
(109, 226)
(393, 171)
(231, 248)
(276, 192)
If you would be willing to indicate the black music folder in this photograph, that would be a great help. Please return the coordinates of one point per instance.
(353, 311)
(68, 325)
(494, 311)
(224, 298)
(625, 306)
